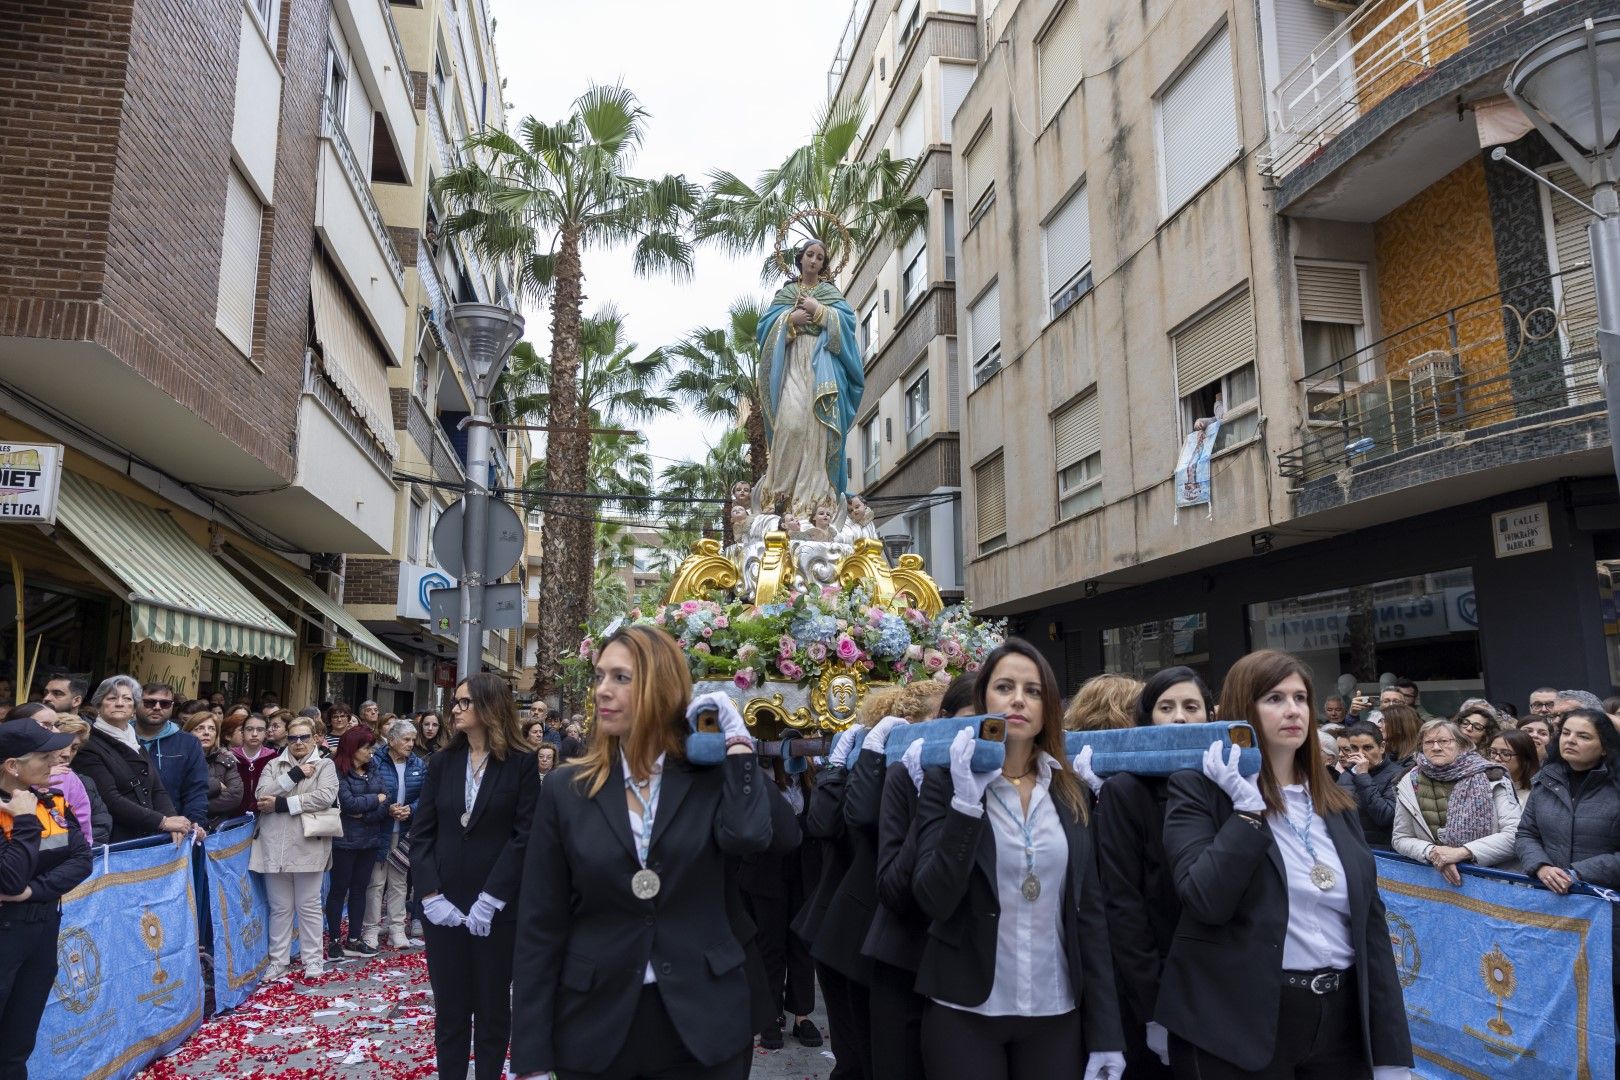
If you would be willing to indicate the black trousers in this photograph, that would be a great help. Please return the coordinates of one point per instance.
(1318, 1038)
(896, 1020)
(848, 1024)
(472, 997)
(27, 973)
(653, 1050)
(351, 877)
(960, 1045)
(790, 974)
(1140, 1062)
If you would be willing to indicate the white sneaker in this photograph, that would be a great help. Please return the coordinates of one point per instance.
(314, 972)
(274, 973)
(370, 940)
(398, 940)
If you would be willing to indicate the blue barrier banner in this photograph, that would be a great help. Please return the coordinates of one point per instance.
(128, 984)
(240, 916)
(1501, 980)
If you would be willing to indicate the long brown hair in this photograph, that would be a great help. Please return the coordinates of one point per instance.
(1065, 784)
(1250, 679)
(660, 690)
(492, 701)
(1401, 725)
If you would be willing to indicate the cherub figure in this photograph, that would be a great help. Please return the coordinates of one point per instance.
(859, 512)
(820, 524)
(790, 524)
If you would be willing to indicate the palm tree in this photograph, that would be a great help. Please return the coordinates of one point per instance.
(541, 198)
(717, 375)
(871, 197)
(708, 480)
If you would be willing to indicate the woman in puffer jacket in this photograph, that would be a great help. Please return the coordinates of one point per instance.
(364, 800)
(1454, 806)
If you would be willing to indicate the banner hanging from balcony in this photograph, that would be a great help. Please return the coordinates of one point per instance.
(1192, 467)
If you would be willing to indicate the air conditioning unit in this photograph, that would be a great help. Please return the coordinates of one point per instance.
(318, 637)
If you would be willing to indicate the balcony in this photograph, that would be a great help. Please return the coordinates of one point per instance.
(1371, 116)
(369, 27)
(352, 229)
(1456, 394)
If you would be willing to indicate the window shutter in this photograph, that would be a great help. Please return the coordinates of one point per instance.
(1330, 294)
(908, 142)
(1300, 27)
(992, 492)
(984, 322)
(1220, 342)
(976, 172)
(348, 357)
(1198, 123)
(953, 393)
(1577, 290)
(1067, 237)
(239, 263)
(1077, 432)
(1059, 60)
(954, 82)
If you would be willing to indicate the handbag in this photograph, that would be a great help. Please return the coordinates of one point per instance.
(319, 823)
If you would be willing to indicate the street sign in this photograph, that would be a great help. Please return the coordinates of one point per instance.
(501, 553)
(30, 477)
(503, 608)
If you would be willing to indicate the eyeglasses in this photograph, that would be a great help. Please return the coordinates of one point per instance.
(160, 703)
(1541, 706)
(299, 738)
(1501, 755)
(1472, 725)
(461, 703)
(1439, 744)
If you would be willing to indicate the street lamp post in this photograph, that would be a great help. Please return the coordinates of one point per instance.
(1569, 87)
(485, 334)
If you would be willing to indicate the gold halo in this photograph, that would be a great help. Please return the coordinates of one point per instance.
(824, 215)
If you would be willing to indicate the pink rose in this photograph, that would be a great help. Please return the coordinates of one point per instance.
(817, 651)
(952, 648)
(829, 591)
(942, 676)
(913, 652)
(690, 607)
(721, 622)
(786, 645)
(747, 652)
(789, 669)
(933, 659)
(702, 647)
(745, 679)
(708, 632)
(973, 665)
(847, 649)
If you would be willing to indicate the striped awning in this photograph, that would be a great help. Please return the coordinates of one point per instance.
(364, 646)
(177, 595)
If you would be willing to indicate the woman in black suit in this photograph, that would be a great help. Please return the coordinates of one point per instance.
(1016, 962)
(628, 962)
(472, 824)
(1280, 967)
(1140, 897)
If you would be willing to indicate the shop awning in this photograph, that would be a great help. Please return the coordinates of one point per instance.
(364, 646)
(177, 594)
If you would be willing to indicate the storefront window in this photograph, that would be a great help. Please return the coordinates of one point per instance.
(1144, 648)
(1424, 628)
(1608, 575)
(65, 630)
(241, 680)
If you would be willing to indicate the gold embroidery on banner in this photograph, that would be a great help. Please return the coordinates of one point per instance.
(126, 877)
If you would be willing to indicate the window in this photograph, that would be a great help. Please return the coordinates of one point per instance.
(1575, 288)
(1143, 648)
(265, 11)
(910, 21)
(420, 380)
(920, 526)
(978, 177)
(871, 457)
(949, 224)
(990, 488)
(1214, 357)
(439, 80)
(984, 333)
(916, 397)
(337, 88)
(1332, 312)
(914, 268)
(869, 106)
(239, 263)
(1077, 442)
(954, 82)
(1057, 54)
(413, 531)
(869, 338)
(1066, 241)
(1198, 123)
(908, 133)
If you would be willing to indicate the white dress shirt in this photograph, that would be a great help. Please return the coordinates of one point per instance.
(1318, 919)
(1032, 967)
(641, 831)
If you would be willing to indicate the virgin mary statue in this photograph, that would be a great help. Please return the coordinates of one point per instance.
(811, 384)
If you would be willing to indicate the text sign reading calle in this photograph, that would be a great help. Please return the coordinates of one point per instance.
(30, 476)
(1521, 530)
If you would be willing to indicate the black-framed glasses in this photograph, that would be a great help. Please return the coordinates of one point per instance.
(300, 738)
(1501, 755)
(160, 703)
(1472, 725)
(461, 703)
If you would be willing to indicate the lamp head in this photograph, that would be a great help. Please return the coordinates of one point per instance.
(1569, 87)
(486, 334)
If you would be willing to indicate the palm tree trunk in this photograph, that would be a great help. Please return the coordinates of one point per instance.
(565, 551)
(755, 426)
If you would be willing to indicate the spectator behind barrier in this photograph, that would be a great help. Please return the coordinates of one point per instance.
(1455, 807)
(128, 780)
(224, 780)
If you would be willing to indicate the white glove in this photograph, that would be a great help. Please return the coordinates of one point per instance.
(840, 750)
(912, 760)
(1245, 792)
(1391, 1072)
(732, 725)
(878, 737)
(439, 911)
(482, 914)
(1082, 765)
(1158, 1041)
(1105, 1065)
(969, 786)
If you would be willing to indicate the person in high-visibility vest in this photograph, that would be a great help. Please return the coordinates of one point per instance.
(43, 855)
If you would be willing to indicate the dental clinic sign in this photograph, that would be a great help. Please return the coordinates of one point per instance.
(1521, 530)
(30, 476)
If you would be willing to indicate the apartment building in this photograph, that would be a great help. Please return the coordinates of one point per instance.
(1290, 207)
(910, 62)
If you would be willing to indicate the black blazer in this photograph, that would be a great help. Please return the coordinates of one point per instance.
(486, 855)
(129, 784)
(899, 927)
(1139, 892)
(1223, 978)
(584, 941)
(785, 839)
(824, 822)
(955, 886)
(849, 911)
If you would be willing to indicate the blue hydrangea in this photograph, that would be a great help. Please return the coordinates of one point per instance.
(814, 627)
(891, 638)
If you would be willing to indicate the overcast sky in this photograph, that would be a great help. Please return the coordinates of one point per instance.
(723, 92)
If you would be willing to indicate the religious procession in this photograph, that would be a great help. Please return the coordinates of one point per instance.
(407, 672)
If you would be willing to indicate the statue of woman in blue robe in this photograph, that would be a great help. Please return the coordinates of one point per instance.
(811, 379)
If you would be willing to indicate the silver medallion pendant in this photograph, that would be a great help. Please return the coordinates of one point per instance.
(465, 818)
(1032, 888)
(1322, 876)
(644, 884)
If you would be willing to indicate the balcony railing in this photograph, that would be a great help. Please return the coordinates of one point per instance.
(333, 132)
(1384, 46)
(1508, 356)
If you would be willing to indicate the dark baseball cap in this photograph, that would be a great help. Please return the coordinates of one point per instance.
(19, 738)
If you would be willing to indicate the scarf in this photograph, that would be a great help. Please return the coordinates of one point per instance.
(1470, 812)
(125, 735)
